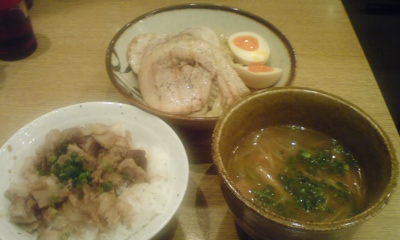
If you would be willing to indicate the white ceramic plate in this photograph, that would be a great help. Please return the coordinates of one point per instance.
(224, 20)
(148, 132)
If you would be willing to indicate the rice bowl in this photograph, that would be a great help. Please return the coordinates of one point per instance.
(148, 132)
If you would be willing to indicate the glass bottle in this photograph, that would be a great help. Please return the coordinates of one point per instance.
(17, 39)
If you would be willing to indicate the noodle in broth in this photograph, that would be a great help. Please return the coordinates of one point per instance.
(298, 173)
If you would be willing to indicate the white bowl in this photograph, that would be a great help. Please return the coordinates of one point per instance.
(148, 132)
(224, 20)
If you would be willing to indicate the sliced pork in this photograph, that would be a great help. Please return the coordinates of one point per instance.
(176, 71)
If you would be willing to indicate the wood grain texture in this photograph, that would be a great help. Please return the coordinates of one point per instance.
(69, 67)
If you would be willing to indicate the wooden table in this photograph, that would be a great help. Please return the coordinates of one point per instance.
(69, 67)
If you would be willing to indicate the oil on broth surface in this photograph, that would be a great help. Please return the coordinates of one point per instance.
(298, 173)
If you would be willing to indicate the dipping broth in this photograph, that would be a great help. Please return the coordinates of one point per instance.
(298, 173)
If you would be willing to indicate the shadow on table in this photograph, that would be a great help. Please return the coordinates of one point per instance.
(197, 144)
(169, 230)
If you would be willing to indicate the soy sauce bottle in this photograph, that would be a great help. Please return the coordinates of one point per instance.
(17, 39)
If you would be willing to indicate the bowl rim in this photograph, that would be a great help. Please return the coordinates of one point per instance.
(369, 212)
(206, 6)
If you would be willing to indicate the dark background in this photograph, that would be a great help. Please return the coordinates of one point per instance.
(377, 25)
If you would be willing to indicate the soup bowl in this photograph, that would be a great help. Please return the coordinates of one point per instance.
(322, 112)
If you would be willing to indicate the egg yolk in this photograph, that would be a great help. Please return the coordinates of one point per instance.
(259, 68)
(248, 43)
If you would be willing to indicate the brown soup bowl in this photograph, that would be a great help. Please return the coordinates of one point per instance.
(319, 111)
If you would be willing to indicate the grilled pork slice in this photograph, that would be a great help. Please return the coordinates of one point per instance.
(176, 71)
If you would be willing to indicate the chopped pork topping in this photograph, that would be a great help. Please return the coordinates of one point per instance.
(74, 181)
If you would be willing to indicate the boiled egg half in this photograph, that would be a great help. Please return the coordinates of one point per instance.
(249, 48)
(258, 76)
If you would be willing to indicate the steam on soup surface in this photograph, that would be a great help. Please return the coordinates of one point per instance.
(298, 173)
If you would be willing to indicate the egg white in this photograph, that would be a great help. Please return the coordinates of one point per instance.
(257, 80)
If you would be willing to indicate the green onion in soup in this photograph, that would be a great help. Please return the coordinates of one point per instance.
(298, 173)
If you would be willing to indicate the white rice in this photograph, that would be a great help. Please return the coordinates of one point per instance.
(147, 200)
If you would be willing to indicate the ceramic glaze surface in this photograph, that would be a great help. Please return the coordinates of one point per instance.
(148, 132)
(222, 19)
(322, 112)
